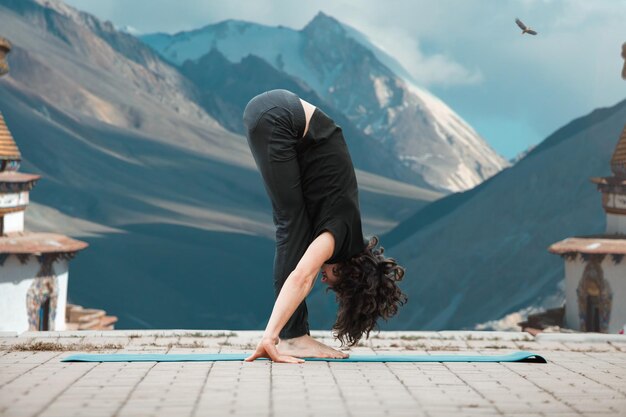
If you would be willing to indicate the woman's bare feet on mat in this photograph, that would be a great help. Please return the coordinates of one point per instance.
(307, 347)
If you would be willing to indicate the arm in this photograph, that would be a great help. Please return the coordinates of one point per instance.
(294, 290)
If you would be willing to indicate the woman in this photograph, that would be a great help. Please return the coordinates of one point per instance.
(309, 177)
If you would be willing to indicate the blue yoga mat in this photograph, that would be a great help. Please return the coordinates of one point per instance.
(519, 356)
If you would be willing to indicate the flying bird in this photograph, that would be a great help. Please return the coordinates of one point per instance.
(624, 56)
(525, 29)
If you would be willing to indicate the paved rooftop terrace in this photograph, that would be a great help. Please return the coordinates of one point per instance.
(583, 377)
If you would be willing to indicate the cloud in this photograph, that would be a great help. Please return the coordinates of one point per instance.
(427, 69)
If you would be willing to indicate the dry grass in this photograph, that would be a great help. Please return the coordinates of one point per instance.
(194, 345)
(419, 346)
(54, 346)
(220, 334)
(192, 334)
(406, 337)
(444, 348)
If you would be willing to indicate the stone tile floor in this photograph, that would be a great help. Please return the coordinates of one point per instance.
(581, 378)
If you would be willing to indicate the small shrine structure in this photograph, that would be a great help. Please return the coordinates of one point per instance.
(33, 266)
(595, 268)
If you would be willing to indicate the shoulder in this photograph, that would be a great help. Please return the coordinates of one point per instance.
(336, 230)
(335, 225)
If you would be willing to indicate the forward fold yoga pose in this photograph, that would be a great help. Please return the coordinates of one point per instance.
(309, 177)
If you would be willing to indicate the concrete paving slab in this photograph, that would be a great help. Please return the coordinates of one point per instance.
(580, 378)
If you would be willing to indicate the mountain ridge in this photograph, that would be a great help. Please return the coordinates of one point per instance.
(421, 130)
(482, 254)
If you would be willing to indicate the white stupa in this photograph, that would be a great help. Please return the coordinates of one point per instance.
(595, 268)
(33, 266)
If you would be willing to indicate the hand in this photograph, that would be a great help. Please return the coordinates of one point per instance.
(267, 349)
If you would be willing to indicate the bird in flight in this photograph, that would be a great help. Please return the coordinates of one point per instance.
(624, 56)
(525, 29)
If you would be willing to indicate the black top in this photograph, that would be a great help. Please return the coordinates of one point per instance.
(329, 186)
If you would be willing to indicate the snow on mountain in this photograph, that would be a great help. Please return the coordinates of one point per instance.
(224, 88)
(350, 73)
(131, 30)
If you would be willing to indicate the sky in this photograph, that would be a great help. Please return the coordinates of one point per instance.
(513, 89)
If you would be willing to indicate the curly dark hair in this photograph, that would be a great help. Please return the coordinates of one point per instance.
(366, 289)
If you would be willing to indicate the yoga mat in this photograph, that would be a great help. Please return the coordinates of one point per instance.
(519, 356)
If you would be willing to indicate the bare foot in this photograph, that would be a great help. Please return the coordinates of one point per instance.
(307, 347)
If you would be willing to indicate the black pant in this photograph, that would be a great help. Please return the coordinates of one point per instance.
(275, 123)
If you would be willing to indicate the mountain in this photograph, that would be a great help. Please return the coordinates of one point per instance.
(479, 255)
(348, 73)
(135, 160)
(224, 89)
(170, 201)
(521, 155)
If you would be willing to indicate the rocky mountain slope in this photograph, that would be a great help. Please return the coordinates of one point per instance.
(479, 255)
(348, 73)
(224, 88)
(170, 202)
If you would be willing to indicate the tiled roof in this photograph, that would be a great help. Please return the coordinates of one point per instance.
(8, 148)
(618, 161)
(17, 177)
(591, 244)
(37, 243)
